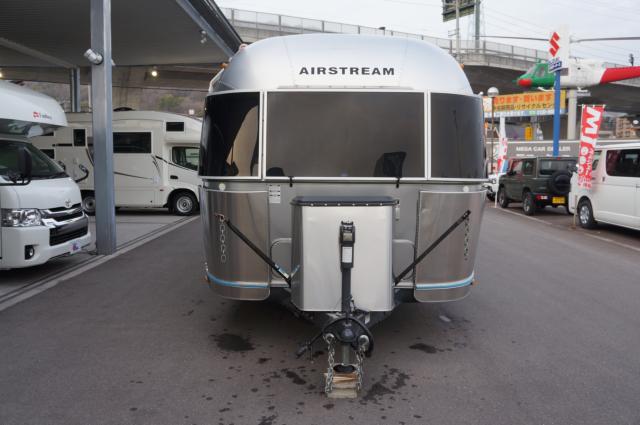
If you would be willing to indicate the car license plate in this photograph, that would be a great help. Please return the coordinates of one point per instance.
(74, 247)
(557, 200)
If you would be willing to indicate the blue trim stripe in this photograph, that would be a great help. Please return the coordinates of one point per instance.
(223, 282)
(449, 285)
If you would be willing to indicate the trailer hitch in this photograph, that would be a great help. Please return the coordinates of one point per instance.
(274, 266)
(347, 330)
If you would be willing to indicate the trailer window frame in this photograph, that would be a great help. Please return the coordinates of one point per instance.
(262, 142)
(259, 174)
(430, 175)
(425, 138)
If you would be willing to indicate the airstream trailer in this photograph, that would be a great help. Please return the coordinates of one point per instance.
(342, 174)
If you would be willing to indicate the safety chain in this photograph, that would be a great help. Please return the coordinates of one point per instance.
(360, 365)
(467, 233)
(328, 385)
(223, 240)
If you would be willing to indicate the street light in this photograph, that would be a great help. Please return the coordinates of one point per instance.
(492, 93)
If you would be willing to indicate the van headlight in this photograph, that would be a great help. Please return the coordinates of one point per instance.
(493, 181)
(23, 217)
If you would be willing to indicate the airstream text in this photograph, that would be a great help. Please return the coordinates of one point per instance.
(346, 70)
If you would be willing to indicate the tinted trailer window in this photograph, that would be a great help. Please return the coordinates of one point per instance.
(229, 143)
(345, 134)
(456, 136)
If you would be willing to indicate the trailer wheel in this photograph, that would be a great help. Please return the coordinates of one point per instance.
(184, 203)
(89, 203)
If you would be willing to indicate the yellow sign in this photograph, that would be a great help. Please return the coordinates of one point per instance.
(528, 133)
(524, 104)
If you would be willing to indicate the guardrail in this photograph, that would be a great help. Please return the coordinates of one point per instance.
(254, 26)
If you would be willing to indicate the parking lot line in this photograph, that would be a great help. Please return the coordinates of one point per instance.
(581, 232)
(28, 291)
(525, 216)
(620, 244)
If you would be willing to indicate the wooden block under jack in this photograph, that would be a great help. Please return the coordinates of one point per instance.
(345, 385)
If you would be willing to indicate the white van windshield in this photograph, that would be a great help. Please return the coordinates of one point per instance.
(42, 166)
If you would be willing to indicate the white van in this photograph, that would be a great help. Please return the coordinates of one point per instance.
(155, 158)
(615, 195)
(40, 213)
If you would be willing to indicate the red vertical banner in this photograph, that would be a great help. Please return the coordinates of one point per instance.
(502, 148)
(589, 128)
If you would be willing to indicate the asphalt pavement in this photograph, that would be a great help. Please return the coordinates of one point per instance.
(549, 335)
(131, 225)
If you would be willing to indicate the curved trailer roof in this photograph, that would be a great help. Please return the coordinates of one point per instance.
(26, 112)
(342, 62)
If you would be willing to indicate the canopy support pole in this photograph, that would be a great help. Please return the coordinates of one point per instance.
(74, 89)
(101, 86)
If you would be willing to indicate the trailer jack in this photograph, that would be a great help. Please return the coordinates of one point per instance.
(353, 341)
(347, 331)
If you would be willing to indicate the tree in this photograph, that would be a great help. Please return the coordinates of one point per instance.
(170, 103)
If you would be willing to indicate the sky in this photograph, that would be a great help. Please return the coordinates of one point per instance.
(516, 18)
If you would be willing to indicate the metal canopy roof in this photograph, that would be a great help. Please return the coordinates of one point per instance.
(45, 33)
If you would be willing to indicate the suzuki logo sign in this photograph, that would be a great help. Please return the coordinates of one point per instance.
(554, 44)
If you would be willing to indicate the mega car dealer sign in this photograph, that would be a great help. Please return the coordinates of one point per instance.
(591, 119)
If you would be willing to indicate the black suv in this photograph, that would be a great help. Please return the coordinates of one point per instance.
(536, 182)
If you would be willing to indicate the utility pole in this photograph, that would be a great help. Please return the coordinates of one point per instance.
(572, 110)
(458, 30)
(477, 23)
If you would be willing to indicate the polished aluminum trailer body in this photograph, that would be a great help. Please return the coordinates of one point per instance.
(348, 116)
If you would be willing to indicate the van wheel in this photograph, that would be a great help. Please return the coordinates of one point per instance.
(184, 203)
(585, 214)
(528, 204)
(502, 198)
(89, 203)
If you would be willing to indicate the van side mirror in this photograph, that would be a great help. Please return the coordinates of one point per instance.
(62, 164)
(85, 171)
(25, 165)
